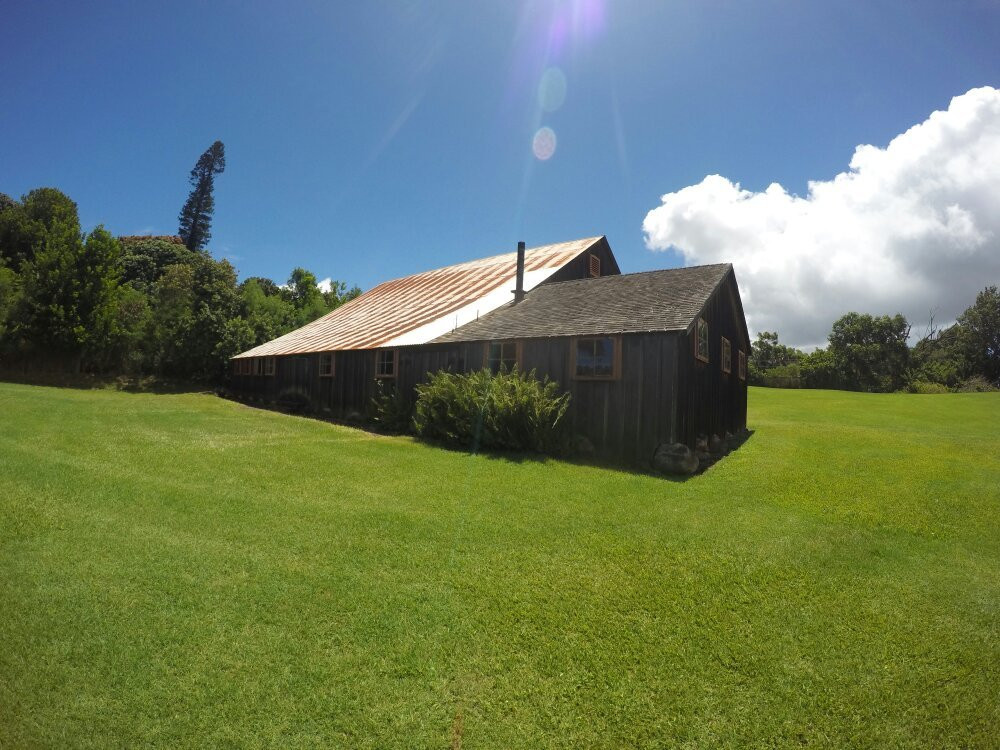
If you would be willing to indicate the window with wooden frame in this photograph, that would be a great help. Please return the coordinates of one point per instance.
(237, 365)
(503, 355)
(727, 355)
(596, 358)
(595, 265)
(245, 366)
(385, 363)
(258, 365)
(326, 364)
(701, 340)
(269, 365)
(742, 359)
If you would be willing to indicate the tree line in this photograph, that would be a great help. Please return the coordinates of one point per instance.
(872, 353)
(92, 302)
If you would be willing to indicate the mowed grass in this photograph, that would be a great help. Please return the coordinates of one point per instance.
(183, 571)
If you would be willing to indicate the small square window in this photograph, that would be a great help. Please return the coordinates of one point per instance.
(595, 265)
(595, 358)
(326, 365)
(743, 365)
(385, 363)
(501, 355)
(701, 341)
(727, 355)
(269, 366)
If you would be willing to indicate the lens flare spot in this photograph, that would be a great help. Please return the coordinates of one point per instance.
(552, 90)
(544, 143)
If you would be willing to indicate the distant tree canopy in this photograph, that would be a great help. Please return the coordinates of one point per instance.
(979, 334)
(196, 216)
(135, 305)
(870, 353)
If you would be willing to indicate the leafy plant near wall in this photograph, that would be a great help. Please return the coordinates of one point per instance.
(510, 410)
(390, 409)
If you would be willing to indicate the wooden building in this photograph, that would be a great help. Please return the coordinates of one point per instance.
(649, 358)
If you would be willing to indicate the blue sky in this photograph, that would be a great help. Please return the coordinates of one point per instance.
(370, 140)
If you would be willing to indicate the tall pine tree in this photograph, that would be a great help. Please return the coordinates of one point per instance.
(196, 216)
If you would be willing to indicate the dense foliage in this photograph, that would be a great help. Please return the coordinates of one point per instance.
(132, 305)
(509, 410)
(869, 353)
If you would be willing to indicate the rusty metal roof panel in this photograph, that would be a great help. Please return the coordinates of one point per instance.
(419, 308)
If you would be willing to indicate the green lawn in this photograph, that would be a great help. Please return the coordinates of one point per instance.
(179, 570)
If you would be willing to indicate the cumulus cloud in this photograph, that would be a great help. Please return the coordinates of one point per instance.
(325, 285)
(909, 228)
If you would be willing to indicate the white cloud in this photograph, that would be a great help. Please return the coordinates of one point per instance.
(325, 285)
(909, 228)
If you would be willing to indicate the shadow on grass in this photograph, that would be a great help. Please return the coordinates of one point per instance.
(512, 457)
(88, 382)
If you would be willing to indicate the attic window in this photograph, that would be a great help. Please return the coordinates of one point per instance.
(385, 363)
(743, 365)
(701, 341)
(596, 358)
(727, 355)
(326, 365)
(269, 366)
(595, 265)
(502, 355)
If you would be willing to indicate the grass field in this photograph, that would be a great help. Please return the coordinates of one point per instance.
(179, 570)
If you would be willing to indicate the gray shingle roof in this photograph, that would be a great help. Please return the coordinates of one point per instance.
(629, 303)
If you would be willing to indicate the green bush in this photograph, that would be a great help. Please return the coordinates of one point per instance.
(976, 384)
(509, 411)
(924, 386)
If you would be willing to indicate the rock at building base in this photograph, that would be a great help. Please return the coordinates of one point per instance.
(675, 458)
(715, 446)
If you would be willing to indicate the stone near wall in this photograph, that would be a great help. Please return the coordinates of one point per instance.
(715, 446)
(675, 458)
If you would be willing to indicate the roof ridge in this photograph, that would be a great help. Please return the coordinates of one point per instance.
(591, 279)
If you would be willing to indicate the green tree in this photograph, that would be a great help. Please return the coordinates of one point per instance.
(10, 293)
(196, 215)
(939, 358)
(267, 315)
(24, 226)
(69, 292)
(144, 259)
(871, 352)
(980, 335)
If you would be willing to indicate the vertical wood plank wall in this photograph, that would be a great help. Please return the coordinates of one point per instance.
(713, 402)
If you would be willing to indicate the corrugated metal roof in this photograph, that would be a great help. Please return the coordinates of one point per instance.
(667, 300)
(419, 308)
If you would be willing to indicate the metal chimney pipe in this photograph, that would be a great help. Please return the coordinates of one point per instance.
(519, 287)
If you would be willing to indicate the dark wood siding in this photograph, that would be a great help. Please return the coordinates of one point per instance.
(712, 401)
(579, 267)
